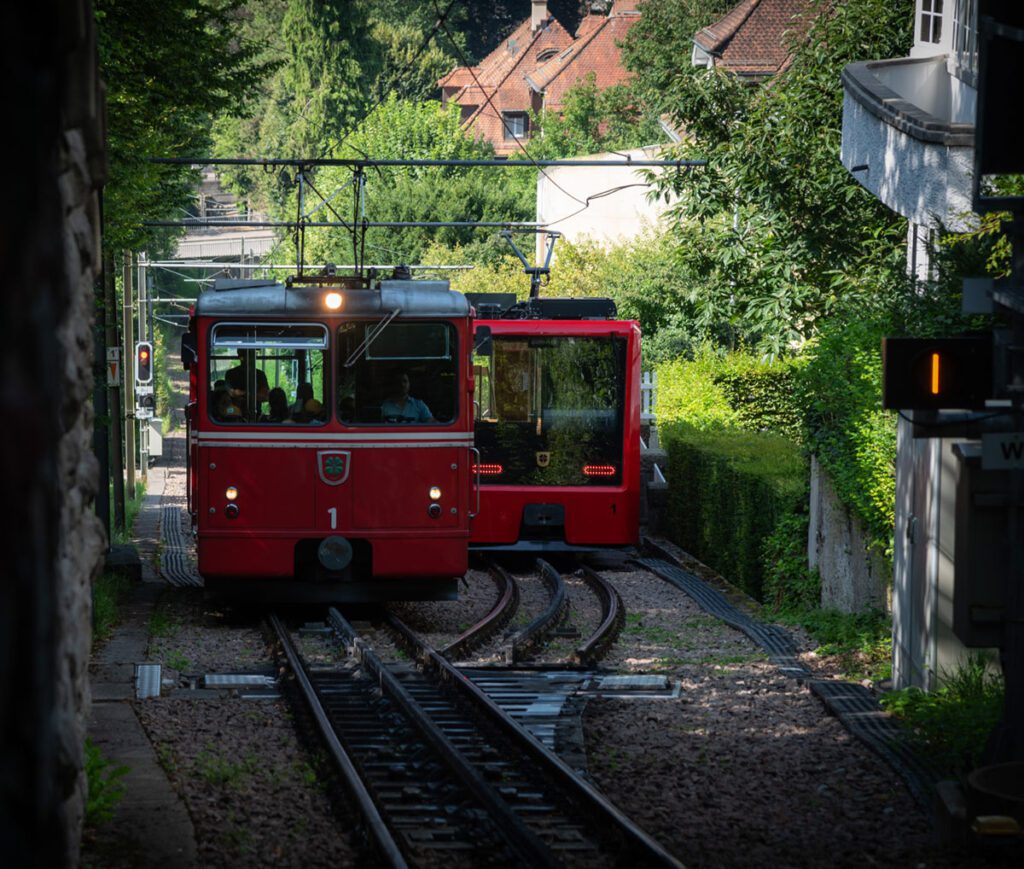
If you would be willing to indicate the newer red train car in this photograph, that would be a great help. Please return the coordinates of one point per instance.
(330, 438)
(557, 410)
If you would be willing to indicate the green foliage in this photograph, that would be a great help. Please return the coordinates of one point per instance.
(846, 428)
(104, 786)
(336, 61)
(774, 232)
(107, 591)
(730, 488)
(402, 129)
(168, 67)
(790, 586)
(591, 121)
(951, 725)
(730, 390)
(861, 643)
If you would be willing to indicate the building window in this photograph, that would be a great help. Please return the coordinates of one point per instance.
(517, 125)
(965, 38)
(931, 21)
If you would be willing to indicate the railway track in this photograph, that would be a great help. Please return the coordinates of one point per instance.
(442, 774)
(524, 645)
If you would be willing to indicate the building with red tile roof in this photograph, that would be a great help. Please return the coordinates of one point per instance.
(752, 39)
(533, 69)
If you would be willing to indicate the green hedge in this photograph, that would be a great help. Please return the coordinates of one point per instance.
(735, 390)
(840, 387)
(729, 489)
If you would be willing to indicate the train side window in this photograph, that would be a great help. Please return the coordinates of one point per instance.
(268, 374)
(398, 373)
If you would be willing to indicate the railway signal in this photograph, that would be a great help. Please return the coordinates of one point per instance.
(937, 373)
(143, 362)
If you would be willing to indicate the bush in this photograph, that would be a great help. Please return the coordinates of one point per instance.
(790, 586)
(730, 489)
(951, 725)
(104, 786)
(845, 426)
(734, 390)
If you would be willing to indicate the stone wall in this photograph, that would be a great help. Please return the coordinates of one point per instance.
(48, 478)
(853, 578)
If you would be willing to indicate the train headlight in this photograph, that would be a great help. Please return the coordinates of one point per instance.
(231, 493)
(435, 493)
(231, 511)
(333, 301)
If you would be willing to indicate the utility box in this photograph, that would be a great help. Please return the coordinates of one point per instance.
(156, 439)
(982, 550)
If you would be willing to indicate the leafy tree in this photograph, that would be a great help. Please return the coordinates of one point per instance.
(774, 232)
(591, 121)
(168, 67)
(401, 129)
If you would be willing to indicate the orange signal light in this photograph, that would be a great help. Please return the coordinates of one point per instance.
(936, 361)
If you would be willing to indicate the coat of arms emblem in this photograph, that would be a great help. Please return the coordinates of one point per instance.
(333, 466)
(543, 459)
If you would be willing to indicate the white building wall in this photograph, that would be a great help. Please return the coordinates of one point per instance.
(613, 215)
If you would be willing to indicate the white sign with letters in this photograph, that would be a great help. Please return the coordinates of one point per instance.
(1002, 451)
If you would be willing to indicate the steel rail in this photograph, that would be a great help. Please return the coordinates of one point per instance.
(518, 835)
(503, 610)
(643, 850)
(382, 837)
(531, 635)
(613, 615)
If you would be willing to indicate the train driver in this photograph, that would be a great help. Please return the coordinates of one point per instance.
(239, 378)
(400, 406)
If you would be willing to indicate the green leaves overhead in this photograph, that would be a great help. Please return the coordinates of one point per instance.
(168, 68)
(774, 233)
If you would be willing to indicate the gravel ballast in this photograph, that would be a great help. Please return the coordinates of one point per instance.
(743, 767)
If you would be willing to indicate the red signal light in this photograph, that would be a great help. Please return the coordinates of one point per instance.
(599, 470)
(144, 362)
(488, 470)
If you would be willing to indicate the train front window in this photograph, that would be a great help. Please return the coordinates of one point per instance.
(268, 374)
(394, 372)
(549, 410)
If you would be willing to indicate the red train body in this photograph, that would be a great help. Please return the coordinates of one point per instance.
(557, 426)
(313, 472)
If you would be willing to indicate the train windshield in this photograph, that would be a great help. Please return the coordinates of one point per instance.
(549, 410)
(268, 374)
(395, 372)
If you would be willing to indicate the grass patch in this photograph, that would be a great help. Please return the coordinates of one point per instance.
(223, 773)
(107, 592)
(177, 661)
(951, 725)
(860, 643)
(132, 507)
(104, 786)
(162, 623)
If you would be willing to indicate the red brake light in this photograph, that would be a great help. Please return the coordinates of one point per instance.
(488, 470)
(599, 470)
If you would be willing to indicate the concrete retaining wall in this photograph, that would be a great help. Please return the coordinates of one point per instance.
(853, 578)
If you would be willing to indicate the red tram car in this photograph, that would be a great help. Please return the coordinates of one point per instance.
(557, 410)
(331, 438)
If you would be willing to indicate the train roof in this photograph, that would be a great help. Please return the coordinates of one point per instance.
(412, 298)
(504, 306)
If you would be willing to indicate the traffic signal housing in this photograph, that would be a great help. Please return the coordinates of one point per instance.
(144, 362)
(937, 373)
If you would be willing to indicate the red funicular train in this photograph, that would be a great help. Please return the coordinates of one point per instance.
(557, 409)
(331, 438)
